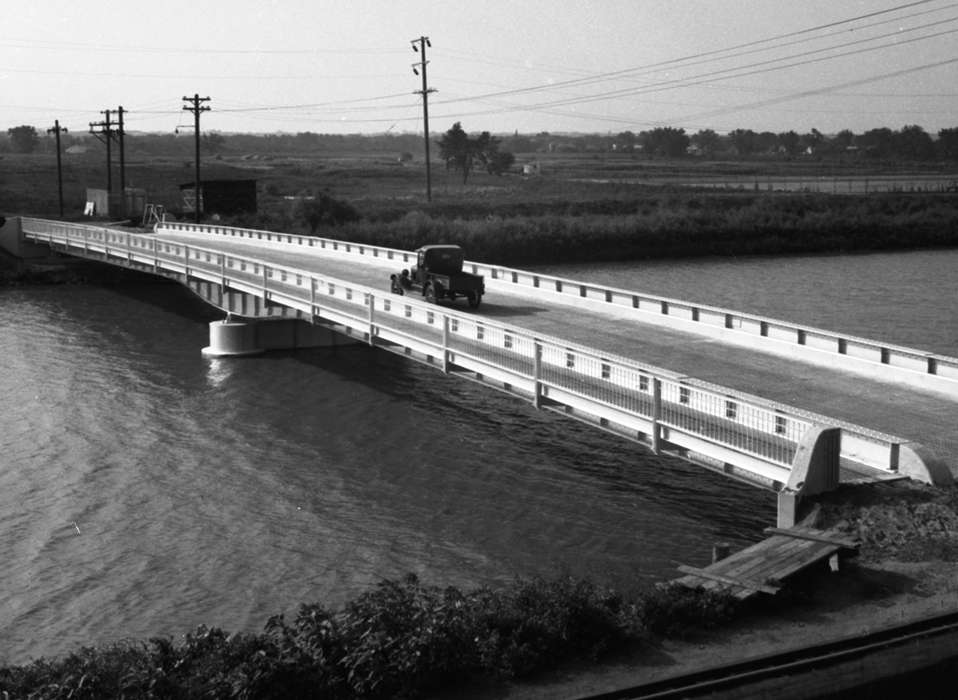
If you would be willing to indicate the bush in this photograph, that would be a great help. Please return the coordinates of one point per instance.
(676, 611)
(401, 639)
(324, 210)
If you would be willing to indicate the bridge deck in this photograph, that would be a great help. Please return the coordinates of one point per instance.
(763, 567)
(915, 415)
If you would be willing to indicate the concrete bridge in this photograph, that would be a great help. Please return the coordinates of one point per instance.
(733, 392)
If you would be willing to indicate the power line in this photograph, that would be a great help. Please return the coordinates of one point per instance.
(755, 69)
(632, 71)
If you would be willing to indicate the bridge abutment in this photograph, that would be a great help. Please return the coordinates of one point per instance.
(815, 469)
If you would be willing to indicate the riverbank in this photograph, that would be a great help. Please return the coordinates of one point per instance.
(409, 639)
(660, 224)
(907, 570)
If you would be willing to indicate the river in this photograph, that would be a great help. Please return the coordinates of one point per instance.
(146, 489)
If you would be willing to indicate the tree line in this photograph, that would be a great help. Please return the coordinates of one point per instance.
(494, 153)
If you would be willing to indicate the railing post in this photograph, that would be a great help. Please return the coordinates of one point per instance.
(129, 250)
(223, 272)
(371, 301)
(656, 415)
(537, 374)
(312, 296)
(186, 261)
(265, 277)
(445, 344)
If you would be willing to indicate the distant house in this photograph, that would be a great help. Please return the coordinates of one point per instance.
(76, 150)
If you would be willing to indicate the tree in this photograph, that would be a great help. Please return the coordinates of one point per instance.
(914, 143)
(707, 141)
(462, 153)
(948, 143)
(790, 142)
(665, 141)
(877, 142)
(813, 141)
(458, 150)
(499, 162)
(744, 141)
(24, 138)
(844, 139)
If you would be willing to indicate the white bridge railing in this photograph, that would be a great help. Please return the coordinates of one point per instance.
(876, 359)
(741, 435)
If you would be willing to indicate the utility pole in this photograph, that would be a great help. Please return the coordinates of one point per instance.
(196, 108)
(106, 128)
(56, 130)
(119, 131)
(423, 42)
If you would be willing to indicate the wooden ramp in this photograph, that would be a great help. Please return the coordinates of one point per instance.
(764, 567)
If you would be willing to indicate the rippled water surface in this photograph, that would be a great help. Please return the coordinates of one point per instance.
(145, 489)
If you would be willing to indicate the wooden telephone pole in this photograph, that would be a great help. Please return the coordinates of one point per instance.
(196, 108)
(56, 130)
(423, 42)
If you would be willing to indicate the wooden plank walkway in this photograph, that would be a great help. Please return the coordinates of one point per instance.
(764, 567)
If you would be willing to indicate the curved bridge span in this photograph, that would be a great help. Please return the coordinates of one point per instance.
(736, 393)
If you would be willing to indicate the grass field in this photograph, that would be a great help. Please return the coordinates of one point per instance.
(581, 206)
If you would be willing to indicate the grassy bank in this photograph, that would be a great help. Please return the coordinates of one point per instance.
(407, 639)
(402, 639)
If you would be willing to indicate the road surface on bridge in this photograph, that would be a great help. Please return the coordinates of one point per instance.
(917, 416)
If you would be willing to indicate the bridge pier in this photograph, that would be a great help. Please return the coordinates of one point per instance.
(243, 337)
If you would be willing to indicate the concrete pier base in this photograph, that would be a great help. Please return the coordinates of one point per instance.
(238, 338)
(232, 339)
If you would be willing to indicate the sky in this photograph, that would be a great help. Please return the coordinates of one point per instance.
(587, 66)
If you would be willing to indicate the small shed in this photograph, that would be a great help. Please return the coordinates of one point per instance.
(130, 202)
(221, 196)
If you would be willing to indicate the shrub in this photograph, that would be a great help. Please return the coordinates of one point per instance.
(676, 611)
(401, 639)
(324, 210)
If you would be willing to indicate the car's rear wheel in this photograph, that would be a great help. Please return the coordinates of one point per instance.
(474, 298)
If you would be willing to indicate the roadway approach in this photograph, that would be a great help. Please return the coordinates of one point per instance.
(921, 416)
